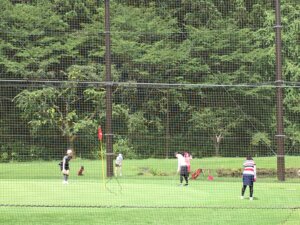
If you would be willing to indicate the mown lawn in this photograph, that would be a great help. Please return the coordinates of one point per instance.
(32, 193)
(132, 168)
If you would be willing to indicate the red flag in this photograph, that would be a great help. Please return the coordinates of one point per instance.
(100, 135)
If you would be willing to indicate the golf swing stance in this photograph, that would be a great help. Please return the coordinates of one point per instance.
(182, 168)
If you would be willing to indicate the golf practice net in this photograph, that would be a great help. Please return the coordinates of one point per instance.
(159, 77)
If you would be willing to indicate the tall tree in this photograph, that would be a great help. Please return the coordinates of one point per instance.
(69, 108)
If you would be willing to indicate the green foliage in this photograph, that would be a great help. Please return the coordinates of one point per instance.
(260, 138)
(215, 121)
(123, 146)
(57, 107)
(4, 157)
(137, 124)
(17, 152)
(192, 41)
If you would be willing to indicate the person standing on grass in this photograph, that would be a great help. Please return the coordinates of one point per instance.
(65, 167)
(187, 158)
(118, 165)
(182, 168)
(249, 176)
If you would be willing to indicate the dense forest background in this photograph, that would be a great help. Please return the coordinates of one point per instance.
(195, 75)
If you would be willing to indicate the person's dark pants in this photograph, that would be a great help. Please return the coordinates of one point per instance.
(184, 174)
(248, 181)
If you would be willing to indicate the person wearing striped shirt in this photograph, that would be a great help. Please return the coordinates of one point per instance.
(249, 176)
(182, 168)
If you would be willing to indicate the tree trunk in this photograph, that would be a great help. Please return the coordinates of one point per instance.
(71, 140)
(217, 141)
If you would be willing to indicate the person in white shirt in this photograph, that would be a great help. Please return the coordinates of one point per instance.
(65, 167)
(182, 168)
(118, 165)
(249, 176)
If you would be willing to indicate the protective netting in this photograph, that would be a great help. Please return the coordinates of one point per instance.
(45, 118)
(190, 76)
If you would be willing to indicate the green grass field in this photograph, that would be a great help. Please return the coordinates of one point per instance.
(32, 193)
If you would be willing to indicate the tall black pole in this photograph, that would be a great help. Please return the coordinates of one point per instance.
(168, 126)
(108, 131)
(279, 97)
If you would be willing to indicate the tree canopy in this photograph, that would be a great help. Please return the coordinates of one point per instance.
(192, 42)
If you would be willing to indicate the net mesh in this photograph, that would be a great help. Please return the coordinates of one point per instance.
(189, 76)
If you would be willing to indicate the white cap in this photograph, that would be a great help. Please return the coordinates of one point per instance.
(69, 151)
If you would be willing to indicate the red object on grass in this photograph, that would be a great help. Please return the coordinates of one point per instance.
(100, 134)
(210, 177)
(196, 174)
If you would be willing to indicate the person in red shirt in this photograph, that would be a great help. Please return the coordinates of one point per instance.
(188, 157)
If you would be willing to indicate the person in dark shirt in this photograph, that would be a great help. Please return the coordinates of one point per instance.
(65, 167)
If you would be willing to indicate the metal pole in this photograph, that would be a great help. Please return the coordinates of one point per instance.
(109, 135)
(279, 97)
(168, 126)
